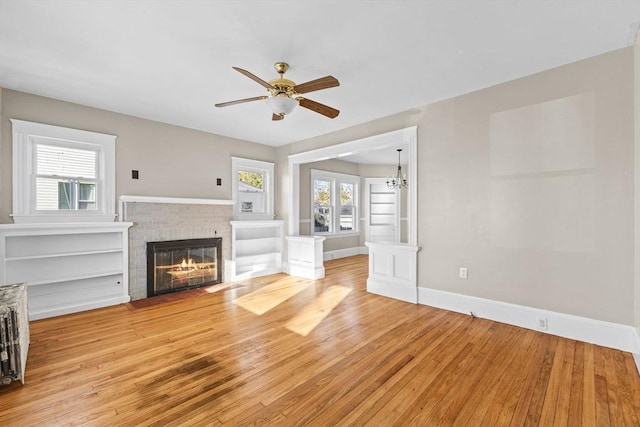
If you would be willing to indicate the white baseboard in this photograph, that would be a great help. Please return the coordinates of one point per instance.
(613, 335)
(391, 290)
(636, 358)
(343, 253)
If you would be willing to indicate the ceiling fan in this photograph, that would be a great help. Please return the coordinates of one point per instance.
(285, 95)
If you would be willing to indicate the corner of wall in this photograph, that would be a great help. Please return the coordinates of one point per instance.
(636, 258)
(1, 120)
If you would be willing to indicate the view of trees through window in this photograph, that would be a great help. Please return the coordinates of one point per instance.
(253, 179)
(252, 188)
(342, 203)
(346, 206)
(322, 205)
(251, 191)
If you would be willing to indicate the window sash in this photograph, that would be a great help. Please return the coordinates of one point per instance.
(328, 217)
(348, 221)
(55, 163)
(60, 160)
(252, 202)
(323, 219)
(62, 194)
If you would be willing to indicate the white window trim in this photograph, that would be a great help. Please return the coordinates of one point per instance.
(238, 164)
(337, 177)
(25, 136)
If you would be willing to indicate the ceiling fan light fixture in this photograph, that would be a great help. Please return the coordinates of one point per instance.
(282, 104)
(284, 94)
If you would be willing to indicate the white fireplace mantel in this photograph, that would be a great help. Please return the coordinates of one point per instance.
(173, 200)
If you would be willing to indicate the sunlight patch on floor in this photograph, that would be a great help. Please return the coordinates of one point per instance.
(311, 316)
(269, 296)
(218, 288)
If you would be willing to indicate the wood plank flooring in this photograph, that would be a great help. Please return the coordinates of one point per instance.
(286, 351)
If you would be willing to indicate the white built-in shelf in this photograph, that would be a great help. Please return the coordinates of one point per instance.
(63, 254)
(67, 267)
(77, 278)
(256, 249)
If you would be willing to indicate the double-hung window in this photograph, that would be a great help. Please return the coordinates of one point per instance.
(62, 174)
(335, 202)
(252, 188)
(66, 178)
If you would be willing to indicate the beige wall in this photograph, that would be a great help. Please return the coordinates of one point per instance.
(173, 161)
(530, 185)
(3, 174)
(637, 180)
(531, 188)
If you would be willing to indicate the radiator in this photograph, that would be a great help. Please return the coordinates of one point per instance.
(14, 332)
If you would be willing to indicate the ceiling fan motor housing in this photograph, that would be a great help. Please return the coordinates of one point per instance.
(282, 87)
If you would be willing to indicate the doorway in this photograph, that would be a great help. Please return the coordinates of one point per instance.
(406, 136)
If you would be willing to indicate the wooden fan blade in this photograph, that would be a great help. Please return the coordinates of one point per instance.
(275, 117)
(254, 78)
(240, 101)
(317, 84)
(325, 110)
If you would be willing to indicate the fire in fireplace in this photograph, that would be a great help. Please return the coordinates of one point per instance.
(178, 265)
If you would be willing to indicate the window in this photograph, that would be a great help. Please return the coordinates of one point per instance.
(252, 187)
(335, 202)
(65, 178)
(251, 191)
(61, 174)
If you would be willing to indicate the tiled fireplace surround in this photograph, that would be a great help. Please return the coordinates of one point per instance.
(157, 219)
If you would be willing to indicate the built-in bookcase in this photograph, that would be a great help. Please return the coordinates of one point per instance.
(67, 267)
(256, 249)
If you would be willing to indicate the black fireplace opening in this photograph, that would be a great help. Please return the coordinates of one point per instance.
(178, 265)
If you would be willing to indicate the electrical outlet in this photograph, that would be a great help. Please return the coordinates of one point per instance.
(542, 323)
(463, 272)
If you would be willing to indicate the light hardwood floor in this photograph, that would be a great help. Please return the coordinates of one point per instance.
(280, 350)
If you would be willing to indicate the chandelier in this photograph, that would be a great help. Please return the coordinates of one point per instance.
(399, 181)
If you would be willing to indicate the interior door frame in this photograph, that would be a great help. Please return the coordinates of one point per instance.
(398, 209)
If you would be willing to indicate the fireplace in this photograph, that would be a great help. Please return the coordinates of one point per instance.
(178, 265)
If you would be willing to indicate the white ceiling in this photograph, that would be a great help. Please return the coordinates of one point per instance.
(386, 156)
(171, 61)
